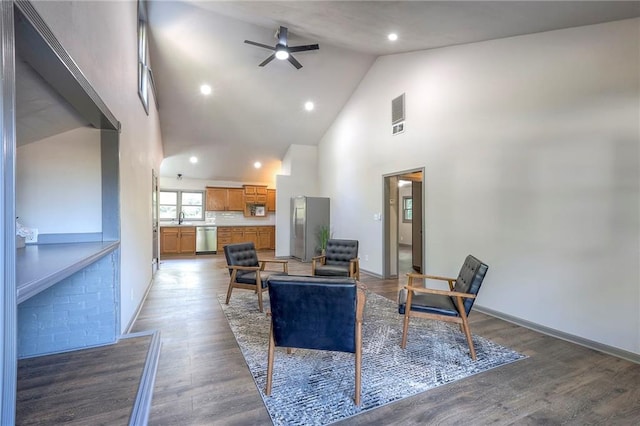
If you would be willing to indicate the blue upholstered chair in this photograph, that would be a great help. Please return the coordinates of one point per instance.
(316, 313)
(246, 271)
(340, 260)
(451, 305)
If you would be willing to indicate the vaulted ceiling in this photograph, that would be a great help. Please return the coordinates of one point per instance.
(256, 113)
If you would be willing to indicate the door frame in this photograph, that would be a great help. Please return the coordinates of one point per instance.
(391, 222)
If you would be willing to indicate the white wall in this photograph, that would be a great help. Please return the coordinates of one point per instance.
(101, 37)
(531, 151)
(58, 183)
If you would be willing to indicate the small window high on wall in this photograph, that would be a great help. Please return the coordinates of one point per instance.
(143, 56)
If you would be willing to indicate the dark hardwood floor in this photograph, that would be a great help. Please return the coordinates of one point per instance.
(86, 387)
(203, 380)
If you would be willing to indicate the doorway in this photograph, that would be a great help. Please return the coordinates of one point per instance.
(404, 222)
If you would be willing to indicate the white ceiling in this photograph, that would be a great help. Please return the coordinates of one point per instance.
(254, 113)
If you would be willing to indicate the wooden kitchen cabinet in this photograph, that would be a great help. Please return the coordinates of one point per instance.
(237, 235)
(235, 199)
(271, 200)
(225, 199)
(254, 194)
(263, 237)
(177, 240)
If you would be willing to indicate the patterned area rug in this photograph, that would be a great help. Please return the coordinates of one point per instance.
(317, 387)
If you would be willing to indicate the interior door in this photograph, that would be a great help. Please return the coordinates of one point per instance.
(416, 226)
(154, 222)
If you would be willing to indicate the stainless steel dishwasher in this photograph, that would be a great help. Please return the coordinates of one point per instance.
(206, 239)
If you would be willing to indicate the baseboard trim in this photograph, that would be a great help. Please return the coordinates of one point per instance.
(142, 405)
(133, 319)
(610, 350)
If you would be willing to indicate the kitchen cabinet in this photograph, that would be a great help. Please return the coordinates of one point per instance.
(271, 200)
(177, 240)
(224, 199)
(235, 199)
(263, 237)
(224, 237)
(254, 194)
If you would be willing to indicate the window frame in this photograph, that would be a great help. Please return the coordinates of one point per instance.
(178, 204)
(143, 56)
(405, 210)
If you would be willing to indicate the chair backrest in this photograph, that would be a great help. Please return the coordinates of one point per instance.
(340, 252)
(241, 254)
(313, 312)
(470, 279)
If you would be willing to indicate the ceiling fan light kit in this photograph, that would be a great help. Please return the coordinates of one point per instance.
(282, 50)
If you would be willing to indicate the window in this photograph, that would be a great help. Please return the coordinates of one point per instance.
(143, 59)
(191, 203)
(407, 209)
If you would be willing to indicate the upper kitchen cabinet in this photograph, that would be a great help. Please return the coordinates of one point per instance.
(271, 200)
(254, 194)
(224, 199)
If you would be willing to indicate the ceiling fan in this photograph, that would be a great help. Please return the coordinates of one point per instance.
(282, 50)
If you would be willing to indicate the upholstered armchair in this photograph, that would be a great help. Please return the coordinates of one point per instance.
(451, 305)
(316, 313)
(340, 260)
(246, 271)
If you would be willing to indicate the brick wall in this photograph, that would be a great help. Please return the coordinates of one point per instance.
(77, 312)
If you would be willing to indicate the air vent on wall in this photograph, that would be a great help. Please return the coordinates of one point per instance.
(397, 115)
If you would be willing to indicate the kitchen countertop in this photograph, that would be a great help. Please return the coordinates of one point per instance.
(163, 225)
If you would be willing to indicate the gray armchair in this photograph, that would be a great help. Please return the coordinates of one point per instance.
(340, 260)
(453, 305)
(246, 271)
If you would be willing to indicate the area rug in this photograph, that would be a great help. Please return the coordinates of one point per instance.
(317, 387)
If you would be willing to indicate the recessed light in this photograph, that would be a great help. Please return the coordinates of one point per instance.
(392, 36)
(205, 89)
(193, 159)
(257, 164)
(309, 106)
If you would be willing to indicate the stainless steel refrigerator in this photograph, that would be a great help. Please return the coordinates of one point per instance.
(308, 215)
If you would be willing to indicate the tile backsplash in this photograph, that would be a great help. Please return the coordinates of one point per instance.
(237, 218)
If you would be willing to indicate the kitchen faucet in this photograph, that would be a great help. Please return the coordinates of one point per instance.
(180, 218)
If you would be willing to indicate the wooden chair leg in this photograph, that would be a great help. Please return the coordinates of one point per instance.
(271, 352)
(358, 363)
(467, 332)
(259, 295)
(405, 329)
(229, 292)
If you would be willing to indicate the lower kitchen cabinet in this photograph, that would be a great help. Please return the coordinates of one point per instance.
(177, 240)
(263, 237)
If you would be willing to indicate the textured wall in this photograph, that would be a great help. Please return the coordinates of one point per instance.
(75, 313)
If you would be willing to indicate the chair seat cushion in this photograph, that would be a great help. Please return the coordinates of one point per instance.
(428, 303)
(332, 270)
(250, 277)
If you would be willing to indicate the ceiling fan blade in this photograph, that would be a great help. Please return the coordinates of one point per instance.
(260, 45)
(269, 59)
(295, 63)
(303, 48)
(282, 35)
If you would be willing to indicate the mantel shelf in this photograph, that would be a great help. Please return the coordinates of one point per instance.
(38, 267)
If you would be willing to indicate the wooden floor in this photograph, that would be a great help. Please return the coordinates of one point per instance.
(86, 387)
(203, 380)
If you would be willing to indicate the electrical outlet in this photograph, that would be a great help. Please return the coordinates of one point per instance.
(32, 237)
(366, 257)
